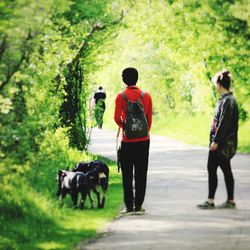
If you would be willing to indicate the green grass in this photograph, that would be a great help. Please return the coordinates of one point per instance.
(189, 128)
(32, 218)
(244, 138)
(194, 129)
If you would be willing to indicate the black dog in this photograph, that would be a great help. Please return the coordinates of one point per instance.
(98, 175)
(73, 183)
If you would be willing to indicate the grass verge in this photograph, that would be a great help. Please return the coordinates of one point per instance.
(32, 218)
(195, 129)
(190, 128)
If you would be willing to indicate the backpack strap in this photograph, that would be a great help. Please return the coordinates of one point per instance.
(142, 94)
(126, 98)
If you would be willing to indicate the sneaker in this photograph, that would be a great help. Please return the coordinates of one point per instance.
(206, 205)
(139, 211)
(126, 211)
(227, 204)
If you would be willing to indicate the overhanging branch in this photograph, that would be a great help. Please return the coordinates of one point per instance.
(24, 57)
(3, 46)
(94, 28)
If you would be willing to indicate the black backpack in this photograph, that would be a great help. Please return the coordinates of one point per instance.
(136, 124)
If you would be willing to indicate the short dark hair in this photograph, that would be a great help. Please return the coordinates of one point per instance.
(223, 78)
(100, 87)
(130, 76)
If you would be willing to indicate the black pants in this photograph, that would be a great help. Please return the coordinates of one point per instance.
(213, 162)
(134, 165)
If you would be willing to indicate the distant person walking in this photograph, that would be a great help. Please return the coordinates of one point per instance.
(223, 141)
(133, 113)
(99, 106)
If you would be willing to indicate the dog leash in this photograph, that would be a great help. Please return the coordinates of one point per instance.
(117, 149)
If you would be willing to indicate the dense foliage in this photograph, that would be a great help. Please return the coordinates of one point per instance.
(51, 51)
(177, 47)
(43, 117)
(42, 74)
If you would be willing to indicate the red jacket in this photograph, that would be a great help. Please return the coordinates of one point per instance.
(133, 93)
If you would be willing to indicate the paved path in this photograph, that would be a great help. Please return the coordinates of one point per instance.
(177, 181)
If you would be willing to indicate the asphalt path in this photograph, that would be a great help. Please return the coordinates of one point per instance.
(177, 182)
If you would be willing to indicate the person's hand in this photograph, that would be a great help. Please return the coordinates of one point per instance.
(213, 146)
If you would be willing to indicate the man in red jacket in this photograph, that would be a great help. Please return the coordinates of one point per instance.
(134, 151)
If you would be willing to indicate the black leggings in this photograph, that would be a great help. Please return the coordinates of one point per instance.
(134, 165)
(214, 161)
